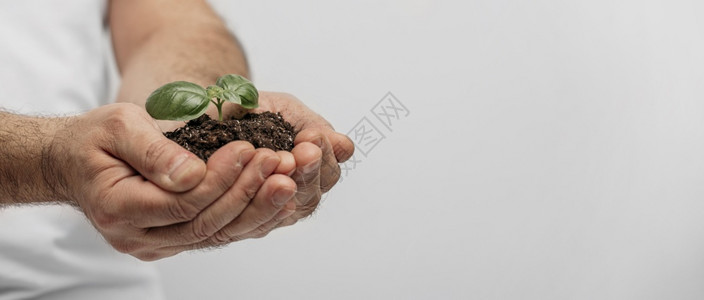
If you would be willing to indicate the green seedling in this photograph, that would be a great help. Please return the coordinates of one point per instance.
(183, 101)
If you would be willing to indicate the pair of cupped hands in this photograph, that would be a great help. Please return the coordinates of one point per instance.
(152, 199)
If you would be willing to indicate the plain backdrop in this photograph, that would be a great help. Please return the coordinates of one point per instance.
(549, 149)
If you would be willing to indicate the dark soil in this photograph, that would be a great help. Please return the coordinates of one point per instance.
(203, 136)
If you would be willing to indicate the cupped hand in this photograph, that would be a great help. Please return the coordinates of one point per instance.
(318, 151)
(151, 198)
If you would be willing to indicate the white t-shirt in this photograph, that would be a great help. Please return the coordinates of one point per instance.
(53, 60)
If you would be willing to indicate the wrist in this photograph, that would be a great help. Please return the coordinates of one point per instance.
(54, 159)
(25, 144)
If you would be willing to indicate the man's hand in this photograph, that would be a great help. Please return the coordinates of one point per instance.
(141, 30)
(317, 152)
(151, 198)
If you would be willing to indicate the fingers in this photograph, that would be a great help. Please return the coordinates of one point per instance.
(150, 206)
(226, 208)
(329, 168)
(287, 165)
(342, 146)
(307, 176)
(155, 157)
(288, 210)
(272, 204)
(273, 196)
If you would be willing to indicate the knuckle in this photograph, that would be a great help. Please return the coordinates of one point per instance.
(247, 193)
(251, 192)
(127, 247)
(202, 229)
(115, 123)
(222, 182)
(261, 219)
(104, 220)
(220, 238)
(155, 150)
(118, 116)
(182, 211)
(278, 218)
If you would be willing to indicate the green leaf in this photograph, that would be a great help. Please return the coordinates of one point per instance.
(214, 91)
(221, 94)
(247, 93)
(231, 96)
(179, 101)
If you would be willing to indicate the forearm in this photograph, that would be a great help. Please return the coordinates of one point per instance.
(27, 169)
(194, 46)
(199, 56)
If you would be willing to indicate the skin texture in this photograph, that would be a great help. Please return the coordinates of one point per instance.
(125, 177)
(25, 167)
(316, 153)
(146, 195)
(142, 29)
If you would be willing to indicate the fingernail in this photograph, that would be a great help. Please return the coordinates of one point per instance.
(311, 167)
(282, 196)
(183, 167)
(268, 166)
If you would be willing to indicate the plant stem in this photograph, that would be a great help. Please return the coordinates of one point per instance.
(219, 106)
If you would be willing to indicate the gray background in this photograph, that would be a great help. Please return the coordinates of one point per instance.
(553, 151)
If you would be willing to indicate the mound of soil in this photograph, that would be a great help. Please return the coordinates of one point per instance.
(203, 136)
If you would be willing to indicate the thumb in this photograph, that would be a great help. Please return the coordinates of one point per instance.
(159, 159)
